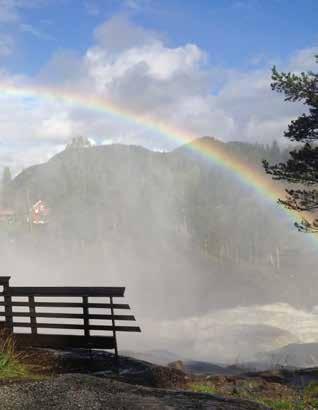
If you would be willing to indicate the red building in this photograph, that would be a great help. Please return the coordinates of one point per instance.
(39, 213)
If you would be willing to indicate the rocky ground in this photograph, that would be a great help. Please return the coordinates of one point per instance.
(79, 380)
(79, 391)
(75, 380)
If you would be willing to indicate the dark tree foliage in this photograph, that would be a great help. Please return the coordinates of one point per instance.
(301, 168)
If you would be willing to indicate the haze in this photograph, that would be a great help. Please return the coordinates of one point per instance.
(213, 267)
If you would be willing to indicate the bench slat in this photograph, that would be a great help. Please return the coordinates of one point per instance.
(69, 316)
(108, 305)
(110, 317)
(64, 341)
(72, 326)
(117, 328)
(77, 326)
(69, 305)
(67, 291)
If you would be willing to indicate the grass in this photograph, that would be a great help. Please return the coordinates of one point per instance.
(307, 400)
(311, 391)
(283, 404)
(203, 388)
(11, 362)
(311, 394)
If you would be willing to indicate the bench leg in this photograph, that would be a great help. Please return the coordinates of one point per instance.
(116, 359)
(114, 335)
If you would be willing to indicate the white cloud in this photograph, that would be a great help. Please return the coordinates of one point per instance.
(56, 126)
(303, 60)
(152, 61)
(138, 71)
(119, 33)
(263, 129)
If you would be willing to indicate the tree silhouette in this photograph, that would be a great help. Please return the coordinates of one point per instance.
(79, 142)
(301, 168)
(6, 180)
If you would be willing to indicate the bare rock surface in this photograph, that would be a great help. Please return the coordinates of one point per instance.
(79, 391)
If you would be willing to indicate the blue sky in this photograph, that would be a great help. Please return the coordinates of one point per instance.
(203, 66)
(234, 33)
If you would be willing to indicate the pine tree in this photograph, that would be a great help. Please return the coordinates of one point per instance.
(301, 168)
(274, 151)
(6, 180)
(79, 142)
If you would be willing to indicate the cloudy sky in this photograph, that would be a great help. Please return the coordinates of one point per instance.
(203, 67)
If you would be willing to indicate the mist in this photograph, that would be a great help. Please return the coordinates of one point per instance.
(209, 267)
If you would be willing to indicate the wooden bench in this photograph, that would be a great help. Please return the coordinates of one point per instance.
(87, 330)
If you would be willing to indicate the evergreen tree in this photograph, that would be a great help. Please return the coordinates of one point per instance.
(6, 180)
(79, 142)
(302, 166)
(274, 151)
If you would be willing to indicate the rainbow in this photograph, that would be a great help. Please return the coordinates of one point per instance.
(215, 152)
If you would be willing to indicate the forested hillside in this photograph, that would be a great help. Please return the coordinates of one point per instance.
(98, 192)
(174, 218)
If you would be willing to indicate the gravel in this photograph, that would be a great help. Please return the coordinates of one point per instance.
(78, 391)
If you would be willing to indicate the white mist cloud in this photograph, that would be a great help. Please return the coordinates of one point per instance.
(235, 334)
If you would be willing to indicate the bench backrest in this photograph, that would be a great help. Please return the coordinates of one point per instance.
(31, 312)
